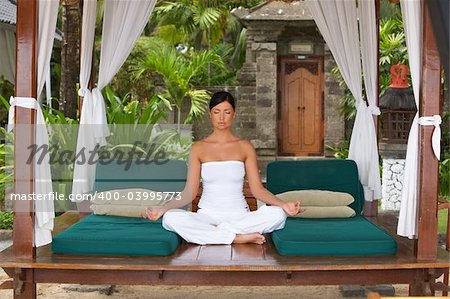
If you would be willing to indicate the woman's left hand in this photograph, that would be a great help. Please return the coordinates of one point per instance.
(291, 208)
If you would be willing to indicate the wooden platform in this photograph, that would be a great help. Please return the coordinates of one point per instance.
(250, 264)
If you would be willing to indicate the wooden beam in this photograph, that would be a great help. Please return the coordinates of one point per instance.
(25, 86)
(428, 167)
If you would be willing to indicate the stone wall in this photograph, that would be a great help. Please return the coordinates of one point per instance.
(392, 184)
(334, 124)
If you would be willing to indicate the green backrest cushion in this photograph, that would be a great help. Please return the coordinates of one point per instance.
(324, 174)
(169, 176)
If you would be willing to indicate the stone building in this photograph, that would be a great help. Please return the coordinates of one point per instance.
(287, 100)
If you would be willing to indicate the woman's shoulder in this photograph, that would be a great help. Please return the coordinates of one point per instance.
(246, 143)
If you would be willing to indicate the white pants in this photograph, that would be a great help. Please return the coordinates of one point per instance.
(221, 227)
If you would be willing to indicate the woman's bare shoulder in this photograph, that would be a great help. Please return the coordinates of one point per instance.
(246, 144)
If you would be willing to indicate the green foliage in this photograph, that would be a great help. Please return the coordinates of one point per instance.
(6, 170)
(136, 130)
(6, 91)
(444, 175)
(392, 49)
(179, 73)
(204, 24)
(128, 111)
(340, 151)
(6, 220)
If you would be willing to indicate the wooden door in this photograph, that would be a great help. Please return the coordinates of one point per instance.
(300, 109)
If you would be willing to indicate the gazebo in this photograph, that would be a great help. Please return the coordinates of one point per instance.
(418, 262)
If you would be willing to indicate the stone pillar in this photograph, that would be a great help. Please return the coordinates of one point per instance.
(393, 160)
(334, 124)
(392, 184)
(266, 99)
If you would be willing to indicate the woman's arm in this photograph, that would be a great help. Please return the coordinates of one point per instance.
(189, 192)
(257, 188)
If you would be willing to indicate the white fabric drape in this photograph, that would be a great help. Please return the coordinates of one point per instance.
(7, 54)
(83, 172)
(123, 23)
(412, 22)
(48, 15)
(337, 21)
(44, 209)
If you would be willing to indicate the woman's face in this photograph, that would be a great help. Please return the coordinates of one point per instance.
(222, 115)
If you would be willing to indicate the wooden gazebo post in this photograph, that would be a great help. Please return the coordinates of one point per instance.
(428, 167)
(25, 86)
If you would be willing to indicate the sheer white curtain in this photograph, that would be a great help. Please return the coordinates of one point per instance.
(7, 54)
(337, 21)
(84, 171)
(45, 212)
(412, 22)
(123, 23)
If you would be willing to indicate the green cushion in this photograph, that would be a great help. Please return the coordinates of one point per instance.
(355, 236)
(114, 235)
(169, 176)
(324, 174)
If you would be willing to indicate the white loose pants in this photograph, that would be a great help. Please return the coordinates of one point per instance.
(221, 227)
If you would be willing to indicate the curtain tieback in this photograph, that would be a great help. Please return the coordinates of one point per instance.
(435, 121)
(374, 110)
(82, 92)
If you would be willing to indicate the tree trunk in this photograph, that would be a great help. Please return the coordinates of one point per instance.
(70, 58)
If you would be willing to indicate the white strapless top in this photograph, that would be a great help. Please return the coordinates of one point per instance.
(223, 183)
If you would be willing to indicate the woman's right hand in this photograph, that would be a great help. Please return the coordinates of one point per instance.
(153, 213)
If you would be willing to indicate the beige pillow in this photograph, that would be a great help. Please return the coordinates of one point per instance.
(118, 210)
(129, 202)
(132, 197)
(317, 198)
(326, 212)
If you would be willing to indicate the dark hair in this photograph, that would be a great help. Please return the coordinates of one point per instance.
(219, 97)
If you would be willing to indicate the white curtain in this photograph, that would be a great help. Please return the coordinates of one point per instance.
(123, 23)
(7, 54)
(82, 172)
(45, 212)
(337, 21)
(412, 22)
(48, 15)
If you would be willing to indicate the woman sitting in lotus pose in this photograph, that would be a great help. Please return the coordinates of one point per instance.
(222, 160)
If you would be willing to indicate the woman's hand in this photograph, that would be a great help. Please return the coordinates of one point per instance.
(292, 208)
(153, 213)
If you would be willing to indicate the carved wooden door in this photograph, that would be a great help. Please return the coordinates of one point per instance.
(300, 111)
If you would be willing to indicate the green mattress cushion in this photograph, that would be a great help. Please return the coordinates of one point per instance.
(115, 235)
(355, 236)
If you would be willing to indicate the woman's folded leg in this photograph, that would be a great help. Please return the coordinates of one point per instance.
(196, 228)
(264, 220)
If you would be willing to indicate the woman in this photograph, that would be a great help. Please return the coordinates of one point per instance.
(222, 160)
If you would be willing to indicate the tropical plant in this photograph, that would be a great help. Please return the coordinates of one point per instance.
(444, 175)
(127, 111)
(179, 72)
(138, 131)
(203, 24)
(6, 220)
(340, 151)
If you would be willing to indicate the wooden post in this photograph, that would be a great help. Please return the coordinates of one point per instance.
(371, 207)
(428, 176)
(26, 82)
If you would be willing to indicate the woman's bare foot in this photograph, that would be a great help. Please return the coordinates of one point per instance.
(249, 238)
